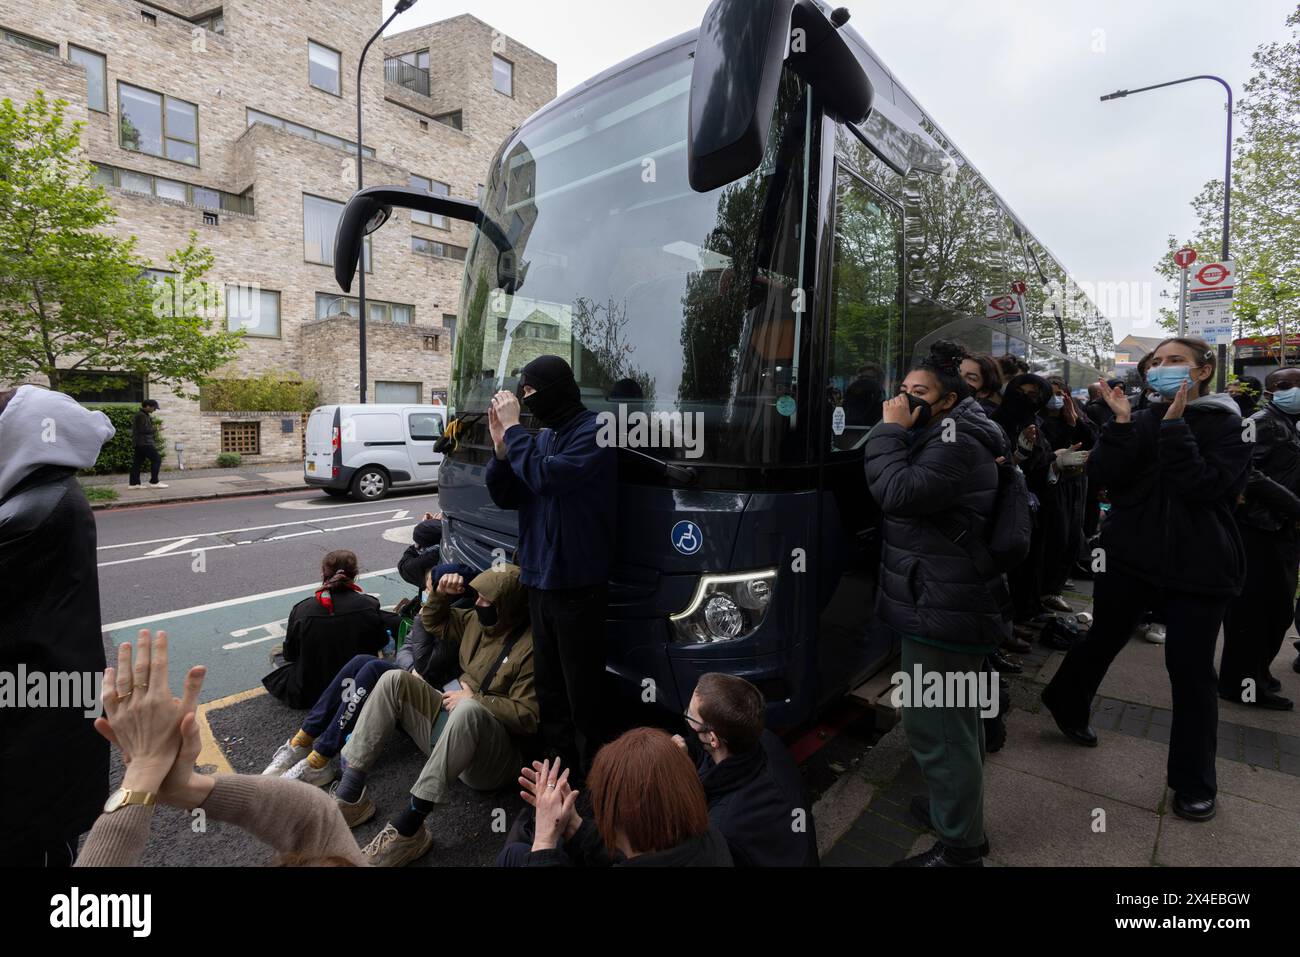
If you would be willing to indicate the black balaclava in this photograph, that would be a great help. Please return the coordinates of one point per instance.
(557, 400)
(427, 534)
(1017, 411)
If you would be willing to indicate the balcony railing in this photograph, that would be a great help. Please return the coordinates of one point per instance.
(403, 74)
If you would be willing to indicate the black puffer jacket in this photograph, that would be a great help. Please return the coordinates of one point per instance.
(53, 764)
(1275, 456)
(1173, 488)
(929, 586)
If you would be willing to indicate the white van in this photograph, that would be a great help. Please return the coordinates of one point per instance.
(367, 450)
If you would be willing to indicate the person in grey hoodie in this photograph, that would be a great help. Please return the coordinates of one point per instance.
(53, 764)
(933, 463)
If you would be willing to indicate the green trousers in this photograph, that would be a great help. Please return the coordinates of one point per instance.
(948, 744)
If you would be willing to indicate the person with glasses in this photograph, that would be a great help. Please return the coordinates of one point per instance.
(755, 792)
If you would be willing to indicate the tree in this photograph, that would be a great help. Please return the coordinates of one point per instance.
(1265, 230)
(73, 296)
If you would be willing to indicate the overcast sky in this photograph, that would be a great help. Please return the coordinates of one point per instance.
(1015, 84)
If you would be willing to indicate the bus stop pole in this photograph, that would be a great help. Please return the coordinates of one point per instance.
(1182, 307)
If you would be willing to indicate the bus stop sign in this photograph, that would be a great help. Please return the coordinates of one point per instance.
(1185, 258)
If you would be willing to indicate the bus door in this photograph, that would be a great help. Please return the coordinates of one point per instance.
(862, 346)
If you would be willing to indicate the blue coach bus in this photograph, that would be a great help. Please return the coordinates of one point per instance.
(752, 226)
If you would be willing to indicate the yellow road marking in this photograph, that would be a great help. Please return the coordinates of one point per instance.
(210, 754)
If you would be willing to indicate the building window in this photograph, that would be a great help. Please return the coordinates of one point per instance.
(437, 189)
(174, 190)
(307, 133)
(243, 438)
(503, 75)
(31, 43)
(213, 22)
(431, 247)
(449, 323)
(454, 119)
(398, 393)
(211, 219)
(424, 126)
(325, 71)
(410, 70)
(320, 226)
(148, 19)
(158, 125)
(255, 311)
(328, 306)
(96, 66)
(89, 387)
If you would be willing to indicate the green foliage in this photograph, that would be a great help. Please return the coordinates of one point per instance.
(118, 452)
(1265, 233)
(71, 295)
(270, 392)
(229, 460)
(100, 493)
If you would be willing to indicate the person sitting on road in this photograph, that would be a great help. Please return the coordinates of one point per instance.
(327, 631)
(755, 795)
(311, 755)
(468, 730)
(161, 736)
(425, 552)
(647, 803)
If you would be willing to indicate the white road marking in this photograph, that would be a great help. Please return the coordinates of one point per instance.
(172, 547)
(308, 505)
(237, 531)
(274, 630)
(401, 536)
(229, 603)
(149, 558)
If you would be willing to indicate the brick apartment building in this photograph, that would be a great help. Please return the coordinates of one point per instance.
(237, 120)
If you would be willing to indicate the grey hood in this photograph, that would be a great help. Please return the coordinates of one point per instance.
(40, 428)
(1216, 402)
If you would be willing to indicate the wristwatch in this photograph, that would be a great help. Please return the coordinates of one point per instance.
(123, 798)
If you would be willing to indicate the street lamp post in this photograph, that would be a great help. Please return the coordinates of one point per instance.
(402, 7)
(1227, 183)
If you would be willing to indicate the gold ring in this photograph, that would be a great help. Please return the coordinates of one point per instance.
(123, 697)
(141, 687)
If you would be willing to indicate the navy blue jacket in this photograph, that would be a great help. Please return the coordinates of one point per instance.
(565, 488)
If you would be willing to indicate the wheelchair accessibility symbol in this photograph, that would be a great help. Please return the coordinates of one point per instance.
(687, 538)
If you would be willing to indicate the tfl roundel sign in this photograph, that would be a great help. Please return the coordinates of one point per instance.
(1213, 275)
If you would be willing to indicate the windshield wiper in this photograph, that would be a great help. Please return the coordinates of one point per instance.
(683, 473)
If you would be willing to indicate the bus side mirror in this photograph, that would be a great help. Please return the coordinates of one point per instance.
(739, 56)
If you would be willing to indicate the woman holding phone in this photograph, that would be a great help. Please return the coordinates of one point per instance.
(1174, 472)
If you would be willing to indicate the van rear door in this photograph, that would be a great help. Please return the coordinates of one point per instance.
(321, 435)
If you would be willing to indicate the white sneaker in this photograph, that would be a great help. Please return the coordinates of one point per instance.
(285, 758)
(1155, 634)
(158, 485)
(316, 777)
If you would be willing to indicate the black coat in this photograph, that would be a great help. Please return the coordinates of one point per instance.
(587, 850)
(1098, 412)
(753, 798)
(319, 643)
(930, 588)
(53, 764)
(417, 562)
(1275, 458)
(1173, 488)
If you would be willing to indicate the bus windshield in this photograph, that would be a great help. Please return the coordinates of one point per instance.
(662, 299)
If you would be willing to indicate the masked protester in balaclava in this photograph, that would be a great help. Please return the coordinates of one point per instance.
(54, 763)
(563, 484)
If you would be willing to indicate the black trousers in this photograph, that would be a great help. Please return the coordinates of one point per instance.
(569, 670)
(146, 454)
(1258, 621)
(1026, 580)
(1193, 622)
(1062, 515)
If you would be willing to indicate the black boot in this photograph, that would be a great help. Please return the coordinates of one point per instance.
(1189, 810)
(1004, 664)
(1079, 734)
(943, 856)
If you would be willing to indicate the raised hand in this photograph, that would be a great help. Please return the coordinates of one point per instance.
(1179, 405)
(1116, 400)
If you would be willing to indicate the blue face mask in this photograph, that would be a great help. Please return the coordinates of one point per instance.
(1167, 380)
(1288, 401)
(1057, 403)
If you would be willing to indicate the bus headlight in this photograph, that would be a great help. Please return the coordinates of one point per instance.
(725, 608)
